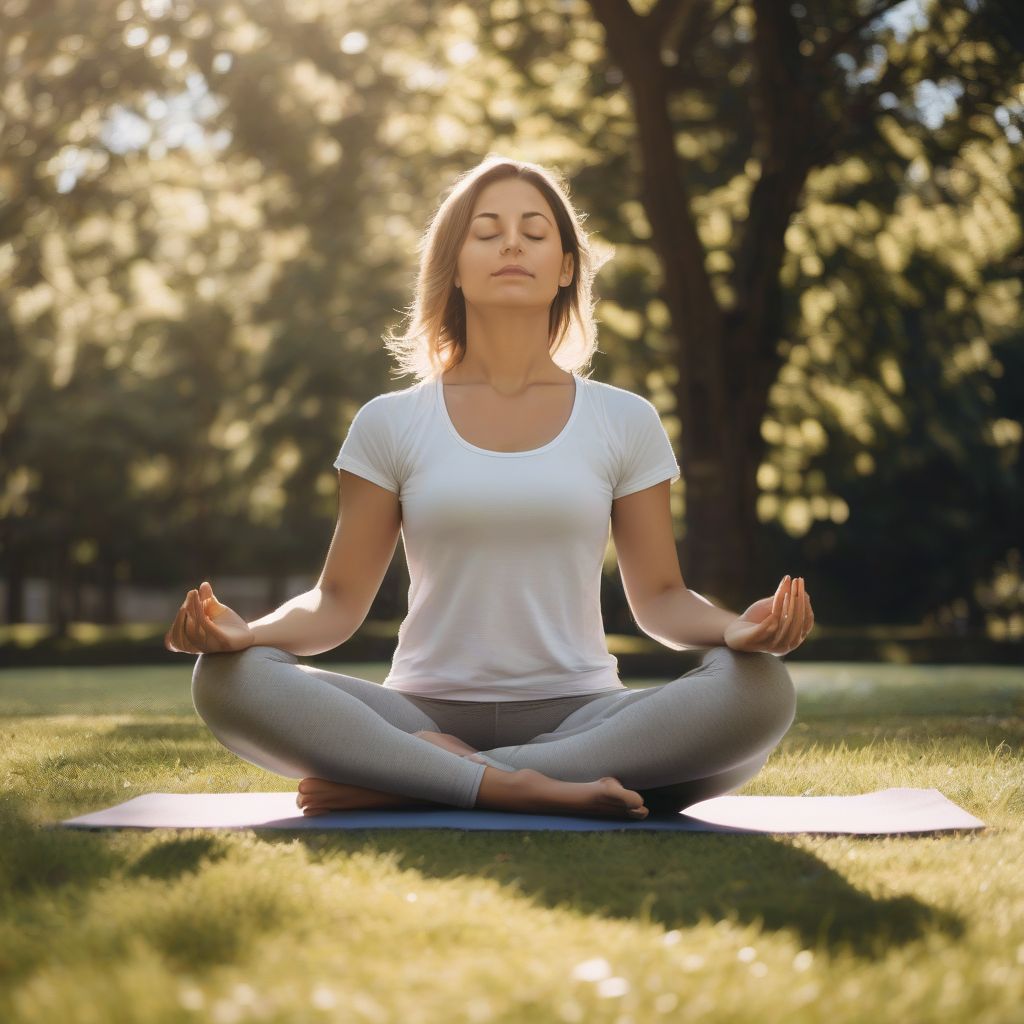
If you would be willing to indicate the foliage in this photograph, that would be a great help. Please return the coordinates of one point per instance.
(208, 217)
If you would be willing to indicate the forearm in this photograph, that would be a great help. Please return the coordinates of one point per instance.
(309, 623)
(681, 618)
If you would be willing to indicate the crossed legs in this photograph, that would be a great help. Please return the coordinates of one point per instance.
(700, 736)
(666, 746)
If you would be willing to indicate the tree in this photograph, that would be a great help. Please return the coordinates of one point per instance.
(819, 85)
(827, 318)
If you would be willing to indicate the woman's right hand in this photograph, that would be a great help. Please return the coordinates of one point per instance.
(205, 626)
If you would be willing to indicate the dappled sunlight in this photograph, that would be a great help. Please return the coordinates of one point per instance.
(588, 920)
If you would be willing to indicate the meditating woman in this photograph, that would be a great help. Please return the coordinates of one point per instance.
(502, 468)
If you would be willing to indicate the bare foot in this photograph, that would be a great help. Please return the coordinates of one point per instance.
(532, 791)
(524, 790)
(320, 796)
(529, 791)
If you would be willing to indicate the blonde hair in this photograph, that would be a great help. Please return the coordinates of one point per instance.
(435, 339)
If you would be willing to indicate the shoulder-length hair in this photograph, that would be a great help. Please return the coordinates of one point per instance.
(435, 339)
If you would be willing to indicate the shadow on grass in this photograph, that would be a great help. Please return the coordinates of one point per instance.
(674, 881)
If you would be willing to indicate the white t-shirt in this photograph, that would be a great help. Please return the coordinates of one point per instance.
(505, 549)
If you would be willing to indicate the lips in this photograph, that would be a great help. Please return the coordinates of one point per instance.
(513, 270)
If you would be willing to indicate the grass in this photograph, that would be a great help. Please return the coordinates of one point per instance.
(448, 926)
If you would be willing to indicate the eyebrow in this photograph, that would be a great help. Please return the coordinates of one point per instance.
(532, 213)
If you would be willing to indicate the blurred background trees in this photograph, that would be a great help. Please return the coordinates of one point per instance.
(208, 218)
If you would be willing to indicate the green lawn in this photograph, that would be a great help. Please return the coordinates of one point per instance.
(447, 926)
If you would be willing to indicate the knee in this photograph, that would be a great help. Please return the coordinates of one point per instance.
(765, 690)
(220, 681)
(215, 678)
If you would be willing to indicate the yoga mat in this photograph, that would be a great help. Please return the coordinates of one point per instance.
(883, 812)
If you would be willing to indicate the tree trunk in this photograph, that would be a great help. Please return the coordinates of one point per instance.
(727, 358)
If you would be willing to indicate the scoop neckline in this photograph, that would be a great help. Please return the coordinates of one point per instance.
(443, 408)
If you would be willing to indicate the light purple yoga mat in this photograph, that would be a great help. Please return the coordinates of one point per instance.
(883, 812)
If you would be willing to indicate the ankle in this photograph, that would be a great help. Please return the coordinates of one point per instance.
(504, 790)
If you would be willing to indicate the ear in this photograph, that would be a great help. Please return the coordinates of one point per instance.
(567, 266)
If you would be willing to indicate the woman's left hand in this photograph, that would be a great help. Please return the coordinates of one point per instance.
(774, 625)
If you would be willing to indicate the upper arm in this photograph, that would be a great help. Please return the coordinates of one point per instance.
(645, 545)
(364, 542)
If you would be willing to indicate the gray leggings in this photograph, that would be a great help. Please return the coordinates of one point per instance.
(699, 736)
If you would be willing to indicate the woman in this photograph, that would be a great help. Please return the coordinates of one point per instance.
(502, 469)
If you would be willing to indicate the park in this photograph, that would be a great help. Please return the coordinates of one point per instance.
(584, 298)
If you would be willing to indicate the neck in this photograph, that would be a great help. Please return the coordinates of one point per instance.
(507, 349)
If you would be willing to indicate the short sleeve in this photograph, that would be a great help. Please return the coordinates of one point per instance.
(369, 448)
(647, 455)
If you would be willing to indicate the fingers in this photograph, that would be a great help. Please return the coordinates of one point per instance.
(797, 613)
(780, 612)
(786, 601)
(780, 595)
(797, 616)
(788, 623)
(181, 638)
(207, 636)
(786, 618)
(176, 634)
(192, 632)
(806, 620)
(198, 620)
(782, 633)
(771, 624)
(189, 634)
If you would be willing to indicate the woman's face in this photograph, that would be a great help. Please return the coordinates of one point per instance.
(512, 223)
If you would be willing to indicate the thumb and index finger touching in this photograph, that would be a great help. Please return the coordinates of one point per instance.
(781, 605)
(192, 624)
